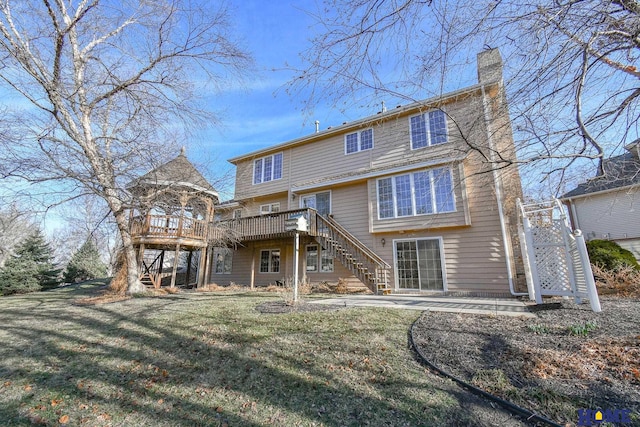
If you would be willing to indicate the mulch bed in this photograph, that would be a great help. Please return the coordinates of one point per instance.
(566, 358)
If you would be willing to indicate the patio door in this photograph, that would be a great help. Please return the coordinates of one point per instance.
(321, 202)
(419, 264)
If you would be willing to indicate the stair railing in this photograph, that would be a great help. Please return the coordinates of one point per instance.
(355, 255)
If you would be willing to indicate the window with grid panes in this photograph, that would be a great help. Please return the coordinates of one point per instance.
(428, 129)
(418, 193)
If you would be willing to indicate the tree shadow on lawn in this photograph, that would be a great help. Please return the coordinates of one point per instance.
(119, 365)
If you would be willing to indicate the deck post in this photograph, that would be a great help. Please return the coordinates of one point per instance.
(296, 253)
(189, 259)
(207, 267)
(201, 267)
(141, 258)
(253, 265)
(176, 260)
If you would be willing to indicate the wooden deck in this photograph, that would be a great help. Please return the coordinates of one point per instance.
(260, 227)
(168, 228)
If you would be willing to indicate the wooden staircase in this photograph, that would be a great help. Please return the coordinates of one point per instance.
(365, 264)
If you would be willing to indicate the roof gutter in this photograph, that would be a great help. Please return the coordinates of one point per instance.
(597, 193)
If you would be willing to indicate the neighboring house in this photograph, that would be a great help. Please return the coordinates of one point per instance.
(404, 200)
(608, 206)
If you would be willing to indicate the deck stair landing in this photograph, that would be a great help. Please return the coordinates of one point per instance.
(365, 264)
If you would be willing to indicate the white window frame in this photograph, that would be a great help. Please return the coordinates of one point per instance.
(227, 260)
(426, 118)
(321, 256)
(270, 266)
(432, 190)
(274, 175)
(442, 263)
(269, 208)
(359, 141)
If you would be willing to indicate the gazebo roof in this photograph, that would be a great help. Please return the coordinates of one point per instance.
(178, 173)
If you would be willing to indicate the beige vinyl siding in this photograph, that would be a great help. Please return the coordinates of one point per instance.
(252, 207)
(242, 261)
(474, 256)
(321, 160)
(474, 252)
(244, 186)
(612, 215)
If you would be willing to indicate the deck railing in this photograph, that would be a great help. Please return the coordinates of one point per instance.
(260, 227)
(169, 226)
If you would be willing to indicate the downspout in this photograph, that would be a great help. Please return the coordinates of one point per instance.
(496, 181)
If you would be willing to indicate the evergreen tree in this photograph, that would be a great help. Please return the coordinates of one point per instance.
(30, 268)
(85, 264)
(19, 276)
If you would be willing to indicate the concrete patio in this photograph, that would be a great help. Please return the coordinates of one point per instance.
(470, 305)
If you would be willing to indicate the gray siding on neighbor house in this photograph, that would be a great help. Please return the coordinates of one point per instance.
(611, 215)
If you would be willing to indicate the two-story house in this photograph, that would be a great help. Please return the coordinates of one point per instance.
(420, 197)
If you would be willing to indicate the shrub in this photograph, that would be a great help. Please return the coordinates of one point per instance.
(85, 264)
(610, 256)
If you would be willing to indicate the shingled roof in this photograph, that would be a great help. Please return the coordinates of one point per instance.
(178, 172)
(620, 171)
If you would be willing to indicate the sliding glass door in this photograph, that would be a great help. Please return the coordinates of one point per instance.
(419, 264)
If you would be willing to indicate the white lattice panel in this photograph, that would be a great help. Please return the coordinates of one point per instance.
(555, 262)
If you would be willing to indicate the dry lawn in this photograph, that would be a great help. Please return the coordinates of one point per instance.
(213, 359)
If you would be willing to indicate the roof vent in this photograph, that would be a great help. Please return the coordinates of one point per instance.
(317, 126)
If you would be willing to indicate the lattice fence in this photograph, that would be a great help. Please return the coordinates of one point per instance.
(555, 256)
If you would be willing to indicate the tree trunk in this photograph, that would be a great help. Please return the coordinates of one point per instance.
(134, 285)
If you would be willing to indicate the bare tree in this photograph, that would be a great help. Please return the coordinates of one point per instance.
(107, 84)
(85, 218)
(15, 226)
(571, 73)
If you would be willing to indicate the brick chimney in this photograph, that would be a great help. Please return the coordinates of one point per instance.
(489, 66)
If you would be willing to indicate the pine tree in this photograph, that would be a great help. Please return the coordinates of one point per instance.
(30, 268)
(85, 264)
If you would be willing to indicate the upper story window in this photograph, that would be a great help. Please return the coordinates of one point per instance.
(418, 193)
(428, 129)
(267, 168)
(269, 208)
(358, 141)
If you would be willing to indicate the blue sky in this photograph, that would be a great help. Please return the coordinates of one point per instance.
(262, 113)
